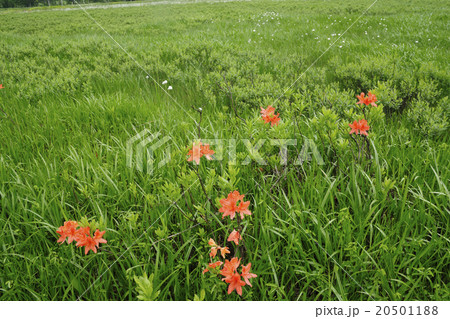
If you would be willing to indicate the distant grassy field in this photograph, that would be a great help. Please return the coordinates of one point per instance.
(368, 227)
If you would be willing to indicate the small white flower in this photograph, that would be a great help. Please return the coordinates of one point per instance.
(417, 41)
(164, 82)
(200, 109)
(169, 88)
(147, 77)
(340, 46)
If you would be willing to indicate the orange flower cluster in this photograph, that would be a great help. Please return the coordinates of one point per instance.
(230, 205)
(198, 150)
(213, 266)
(215, 248)
(268, 115)
(234, 203)
(233, 277)
(234, 237)
(1, 86)
(81, 235)
(369, 99)
(360, 127)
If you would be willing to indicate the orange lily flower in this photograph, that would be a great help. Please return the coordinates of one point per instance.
(273, 120)
(363, 127)
(207, 152)
(231, 276)
(268, 115)
(235, 283)
(230, 267)
(82, 233)
(69, 231)
(362, 99)
(372, 99)
(230, 206)
(212, 266)
(355, 127)
(224, 251)
(98, 238)
(267, 112)
(213, 252)
(243, 209)
(360, 127)
(88, 243)
(246, 274)
(214, 248)
(198, 150)
(234, 236)
(369, 99)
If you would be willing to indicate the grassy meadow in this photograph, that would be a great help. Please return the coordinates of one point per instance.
(370, 226)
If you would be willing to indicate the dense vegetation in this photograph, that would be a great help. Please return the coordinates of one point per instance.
(36, 3)
(350, 228)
